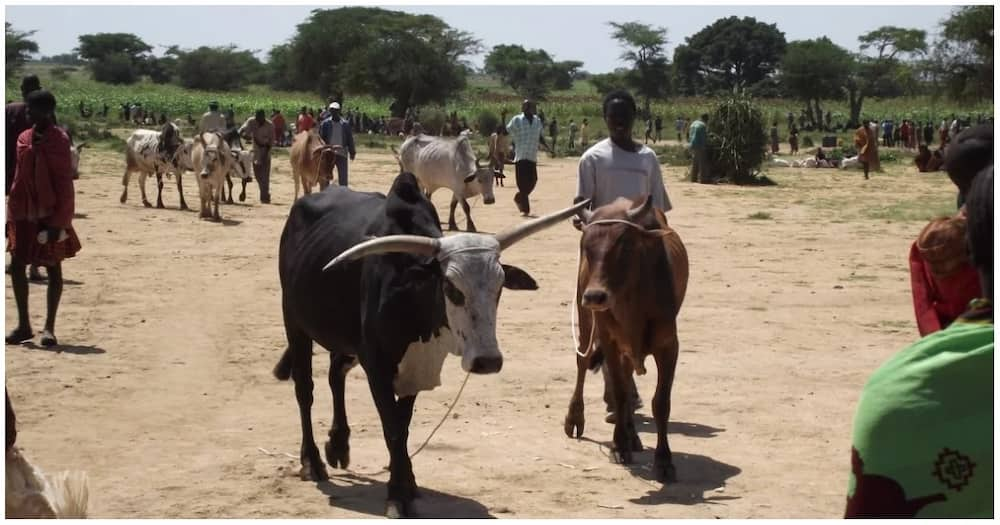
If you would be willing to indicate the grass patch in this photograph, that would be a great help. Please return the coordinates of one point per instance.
(760, 216)
(920, 209)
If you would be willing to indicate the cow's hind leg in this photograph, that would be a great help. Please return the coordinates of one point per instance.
(243, 191)
(395, 417)
(142, 189)
(300, 348)
(338, 448)
(125, 179)
(666, 363)
(229, 183)
(159, 190)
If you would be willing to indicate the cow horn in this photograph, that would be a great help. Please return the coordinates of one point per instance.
(636, 213)
(519, 232)
(415, 244)
(586, 215)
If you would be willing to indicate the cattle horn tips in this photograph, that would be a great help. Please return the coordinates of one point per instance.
(415, 244)
(635, 213)
(519, 232)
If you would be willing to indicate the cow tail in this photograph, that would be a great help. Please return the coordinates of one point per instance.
(283, 370)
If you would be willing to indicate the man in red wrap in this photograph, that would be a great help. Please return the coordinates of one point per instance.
(39, 213)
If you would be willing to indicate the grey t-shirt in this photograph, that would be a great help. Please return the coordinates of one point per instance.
(607, 172)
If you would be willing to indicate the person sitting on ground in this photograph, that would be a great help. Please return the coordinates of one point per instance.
(922, 443)
(942, 278)
(928, 161)
(40, 213)
(821, 160)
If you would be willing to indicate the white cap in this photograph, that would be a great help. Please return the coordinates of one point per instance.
(334, 105)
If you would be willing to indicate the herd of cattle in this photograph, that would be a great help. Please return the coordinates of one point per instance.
(371, 278)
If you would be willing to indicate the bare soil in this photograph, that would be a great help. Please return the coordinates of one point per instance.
(170, 325)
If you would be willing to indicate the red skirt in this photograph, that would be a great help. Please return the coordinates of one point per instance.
(22, 243)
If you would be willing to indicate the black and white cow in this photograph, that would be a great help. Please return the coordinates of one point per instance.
(371, 279)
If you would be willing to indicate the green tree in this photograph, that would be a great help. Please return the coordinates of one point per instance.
(607, 82)
(218, 68)
(963, 59)
(417, 58)
(531, 72)
(19, 48)
(116, 58)
(643, 44)
(815, 69)
(731, 52)
(872, 72)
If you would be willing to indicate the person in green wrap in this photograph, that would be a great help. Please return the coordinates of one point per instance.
(923, 433)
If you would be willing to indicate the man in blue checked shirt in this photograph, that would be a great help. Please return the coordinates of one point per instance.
(526, 134)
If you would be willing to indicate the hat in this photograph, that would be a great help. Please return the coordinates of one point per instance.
(334, 105)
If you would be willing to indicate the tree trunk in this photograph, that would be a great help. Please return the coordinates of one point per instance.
(809, 113)
(818, 123)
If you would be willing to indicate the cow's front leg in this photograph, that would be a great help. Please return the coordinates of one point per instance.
(216, 200)
(229, 183)
(574, 421)
(180, 193)
(142, 189)
(666, 364)
(243, 191)
(452, 225)
(159, 190)
(395, 417)
(622, 447)
(469, 226)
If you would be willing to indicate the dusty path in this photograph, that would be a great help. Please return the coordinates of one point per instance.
(164, 393)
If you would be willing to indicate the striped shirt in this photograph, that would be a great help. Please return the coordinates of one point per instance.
(525, 135)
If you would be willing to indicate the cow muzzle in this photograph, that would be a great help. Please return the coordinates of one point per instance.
(204, 174)
(596, 299)
(486, 364)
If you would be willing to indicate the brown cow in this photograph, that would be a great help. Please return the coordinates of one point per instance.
(631, 283)
(312, 161)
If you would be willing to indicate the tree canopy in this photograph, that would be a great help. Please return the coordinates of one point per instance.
(643, 44)
(415, 59)
(531, 72)
(812, 70)
(19, 48)
(220, 68)
(728, 53)
(114, 57)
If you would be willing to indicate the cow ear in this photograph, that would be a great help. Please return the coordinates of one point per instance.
(515, 278)
(470, 178)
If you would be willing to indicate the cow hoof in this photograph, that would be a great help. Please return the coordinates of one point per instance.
(574, 423)
(147, 204)
(453, 227)
(471, 228)
(636, 443)
(313, 472)
(665, 473)
(229, 200)
(622, 456)
(160, 206)
(397, 509)
(338, 456)
(243, 197)
(184, 206)
(123, 198)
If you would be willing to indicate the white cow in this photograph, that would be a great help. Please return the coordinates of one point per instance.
(155, 153)
(242, 169)
(212, 160)
(449, 163)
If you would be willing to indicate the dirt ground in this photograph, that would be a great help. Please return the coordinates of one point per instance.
(163, 391)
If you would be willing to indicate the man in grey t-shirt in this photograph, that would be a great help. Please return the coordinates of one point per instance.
(618, 166)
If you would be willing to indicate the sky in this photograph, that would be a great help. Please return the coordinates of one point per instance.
(565, 32)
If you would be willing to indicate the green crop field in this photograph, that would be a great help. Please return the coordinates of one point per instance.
(483, 94)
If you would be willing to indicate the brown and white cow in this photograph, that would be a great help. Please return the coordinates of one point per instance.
(631, 283)
(242, 169)
(312, 161)
(155, 153)
(212, 159)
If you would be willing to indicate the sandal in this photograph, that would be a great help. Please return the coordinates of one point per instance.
(18, 336)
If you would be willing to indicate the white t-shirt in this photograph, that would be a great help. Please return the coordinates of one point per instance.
(607, 172)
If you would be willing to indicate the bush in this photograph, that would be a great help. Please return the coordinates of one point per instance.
(116, 68)
(807, 141)
(432, 120)
(488, 122)
(736, 140)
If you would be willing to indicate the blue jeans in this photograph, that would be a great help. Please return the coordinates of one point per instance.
(341, 164)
